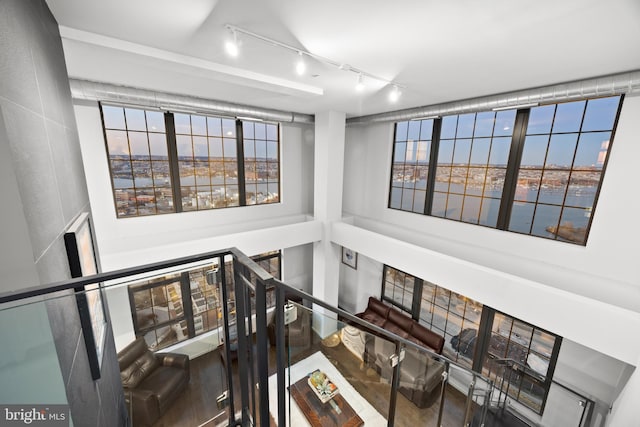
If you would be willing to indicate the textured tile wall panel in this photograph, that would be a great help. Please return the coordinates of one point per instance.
(36, 175)
(53, 265)
(64, 319)
(18, 27)
(71, 184)
(82, 391)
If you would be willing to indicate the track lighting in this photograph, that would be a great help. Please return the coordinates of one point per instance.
(301, 67)
(360, 83)
(231, 45)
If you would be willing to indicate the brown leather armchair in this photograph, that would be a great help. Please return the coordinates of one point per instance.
(151, 382)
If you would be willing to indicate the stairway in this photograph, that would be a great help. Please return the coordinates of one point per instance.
(499, 418)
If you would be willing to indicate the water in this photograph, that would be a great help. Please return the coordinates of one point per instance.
(189, 181)
(577, 211)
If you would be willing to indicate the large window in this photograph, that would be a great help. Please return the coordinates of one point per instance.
(177, 306)
(563, 158)
(453, 316)
(478, 336)
(532, 348)
(471, 166)
(139, 161)
(411, 165)
(535, 171)
(439, 309)
(165, 162)
(208, 161)
(261, 165)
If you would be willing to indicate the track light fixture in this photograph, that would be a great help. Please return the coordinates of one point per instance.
(231, 45)
(301, 66)
(360, 83)
(395, 93)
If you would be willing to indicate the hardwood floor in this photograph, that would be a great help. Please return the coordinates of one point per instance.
(367, 382)
(197, 405)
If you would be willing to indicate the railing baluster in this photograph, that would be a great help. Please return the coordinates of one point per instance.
(240, 291)
(280, 355)
(395, 382)
(445, 380)
(467, 412)
(262, 346)
(227, 342)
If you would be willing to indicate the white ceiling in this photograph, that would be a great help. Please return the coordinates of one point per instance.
(438, 51)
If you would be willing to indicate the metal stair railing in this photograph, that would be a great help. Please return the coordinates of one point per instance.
(261, 285)
(508, 367)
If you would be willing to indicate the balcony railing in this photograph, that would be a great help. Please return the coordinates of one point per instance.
(381, 378)
(565, 405)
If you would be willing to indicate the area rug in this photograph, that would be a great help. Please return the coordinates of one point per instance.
(317, 360)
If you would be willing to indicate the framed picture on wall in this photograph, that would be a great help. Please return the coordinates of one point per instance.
(350, 258)
(78, 241)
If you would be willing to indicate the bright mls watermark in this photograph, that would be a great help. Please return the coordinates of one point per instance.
(36, 415)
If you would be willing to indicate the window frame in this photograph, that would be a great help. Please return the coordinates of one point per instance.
(175, 161)
(185, 279)
(483, 335)
(507, 199)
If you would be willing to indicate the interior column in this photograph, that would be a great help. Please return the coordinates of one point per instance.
(327, 206)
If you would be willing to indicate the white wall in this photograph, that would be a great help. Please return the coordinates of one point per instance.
(120, 312)
(356, 286)
(626, 410)
(297, 267)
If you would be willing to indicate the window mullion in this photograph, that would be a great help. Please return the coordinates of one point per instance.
(174, 168)
(513, 167)
(483, 338)
(548, 379)
(242, 190)
(417, 298)
(393, 157)
(433, 165)
(187, 306)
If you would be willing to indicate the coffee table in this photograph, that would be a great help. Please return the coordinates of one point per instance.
(323, 414)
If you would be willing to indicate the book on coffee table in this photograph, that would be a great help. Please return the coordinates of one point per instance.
(323, 387)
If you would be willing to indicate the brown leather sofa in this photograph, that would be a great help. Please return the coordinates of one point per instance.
(151, 381)
(420, 373)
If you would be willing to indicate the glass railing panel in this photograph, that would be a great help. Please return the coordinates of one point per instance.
(336, 373)
(460, 396)
(178, 310)
(171, 307)
(565, 408)
(482, 397)
(39, 339)
(419, 388)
